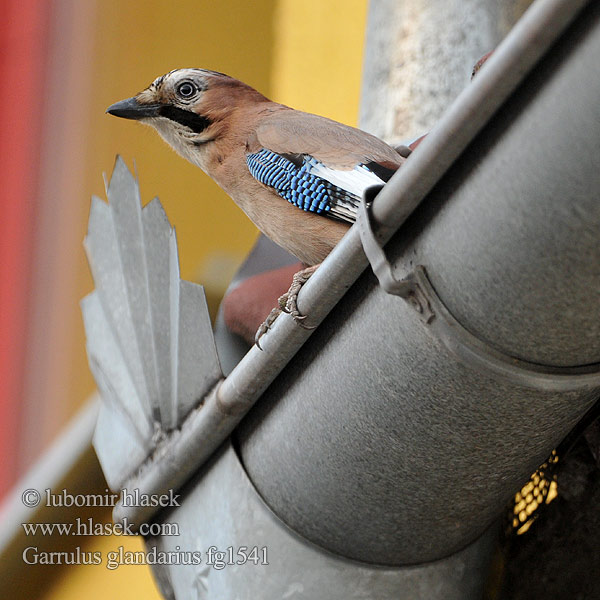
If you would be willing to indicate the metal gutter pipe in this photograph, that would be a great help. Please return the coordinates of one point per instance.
(208, 425)
(398, 436)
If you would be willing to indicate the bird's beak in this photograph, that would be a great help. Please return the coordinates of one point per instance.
(132, 109)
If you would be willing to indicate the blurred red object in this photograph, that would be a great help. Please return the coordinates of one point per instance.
(248, 305)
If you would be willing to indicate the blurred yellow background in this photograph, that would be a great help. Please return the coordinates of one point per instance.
(307, 55)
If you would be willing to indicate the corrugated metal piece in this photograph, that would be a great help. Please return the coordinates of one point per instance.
(149, 336)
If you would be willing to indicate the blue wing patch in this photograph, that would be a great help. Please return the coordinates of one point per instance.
(296, 184)
(310, 185)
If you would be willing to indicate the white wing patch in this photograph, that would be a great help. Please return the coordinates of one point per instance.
(355, 181)
(349, 187)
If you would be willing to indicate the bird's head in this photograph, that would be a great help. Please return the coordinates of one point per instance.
(188, 107)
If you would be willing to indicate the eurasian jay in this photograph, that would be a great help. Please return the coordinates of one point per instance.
(298, 176)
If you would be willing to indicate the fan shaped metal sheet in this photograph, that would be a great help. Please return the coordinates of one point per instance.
(149, 335)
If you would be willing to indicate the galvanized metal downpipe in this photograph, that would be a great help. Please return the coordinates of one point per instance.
(220, 411)
(395, 442)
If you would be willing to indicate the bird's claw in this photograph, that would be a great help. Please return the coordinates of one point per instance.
(291, 309)
(266, 325)
(291, 297)
(287, 303)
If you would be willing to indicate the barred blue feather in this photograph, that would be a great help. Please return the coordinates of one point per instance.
(296, 185)
(304, 183)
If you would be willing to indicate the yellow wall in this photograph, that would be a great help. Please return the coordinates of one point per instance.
(317, 58)
(153, 38)
(307, 55)
(103, 51)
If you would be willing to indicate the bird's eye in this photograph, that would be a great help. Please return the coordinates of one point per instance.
(186, 90)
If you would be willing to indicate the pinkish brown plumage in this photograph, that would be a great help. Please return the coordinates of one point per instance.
(272, 160)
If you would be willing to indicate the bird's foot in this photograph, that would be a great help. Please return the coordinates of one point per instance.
(289, 301)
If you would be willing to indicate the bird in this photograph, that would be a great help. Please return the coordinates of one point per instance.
(298, 176)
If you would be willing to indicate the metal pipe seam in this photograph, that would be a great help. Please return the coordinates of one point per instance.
(169, 466)
(221, 509)
(486, 359)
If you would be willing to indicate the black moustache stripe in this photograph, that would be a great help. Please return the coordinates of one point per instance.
(196, 123)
